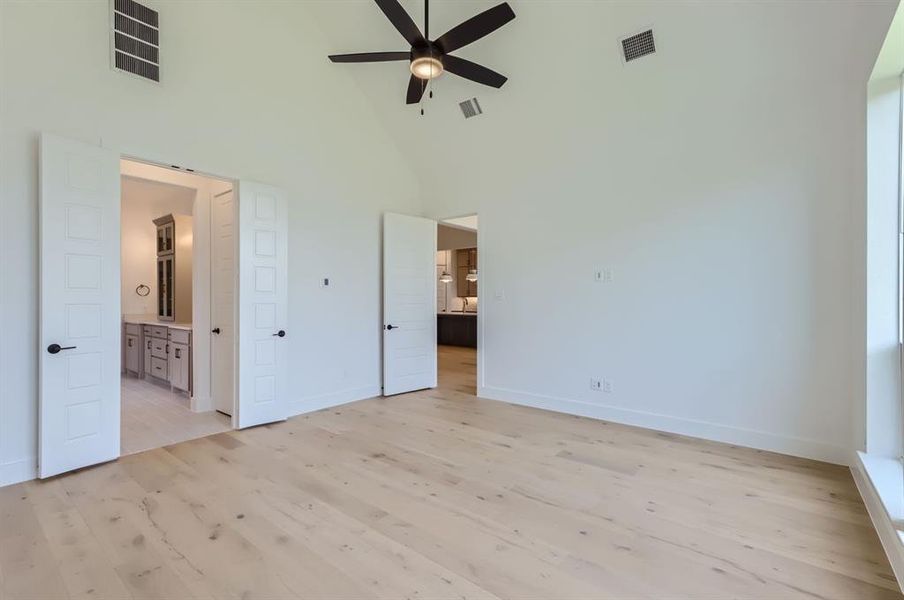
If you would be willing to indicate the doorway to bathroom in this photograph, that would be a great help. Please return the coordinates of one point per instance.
(177, 297)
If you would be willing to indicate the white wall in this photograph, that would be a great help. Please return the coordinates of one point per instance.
(142, 202)
(247, 92)
(718, 183)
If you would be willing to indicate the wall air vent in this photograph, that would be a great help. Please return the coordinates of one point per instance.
(470, 108)
(136, 39)
(638, 45)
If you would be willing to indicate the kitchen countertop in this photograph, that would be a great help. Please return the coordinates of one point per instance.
(152, 320)
(458, 314)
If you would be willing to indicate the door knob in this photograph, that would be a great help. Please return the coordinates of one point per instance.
(391, 327)
(280, 333)
(215, 330)
(55, 348)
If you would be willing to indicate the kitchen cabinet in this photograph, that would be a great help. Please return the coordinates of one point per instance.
(465, 261)
(174, 264)
(456, 329)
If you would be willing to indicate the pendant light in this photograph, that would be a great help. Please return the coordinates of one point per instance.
(445, 277)
(472, 275)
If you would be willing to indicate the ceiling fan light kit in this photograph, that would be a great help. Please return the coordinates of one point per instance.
(430, 59)
(426, 67)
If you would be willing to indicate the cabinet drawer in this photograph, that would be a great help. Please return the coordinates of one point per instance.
(158, 348)
(133, 328)
(155, 331)
(179, 336)
(158, 367)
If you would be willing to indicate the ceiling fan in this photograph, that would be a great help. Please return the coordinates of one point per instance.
(428, 59)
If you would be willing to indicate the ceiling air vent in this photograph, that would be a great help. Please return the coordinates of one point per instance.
(638, 45)
(470, 108)
(136, 39)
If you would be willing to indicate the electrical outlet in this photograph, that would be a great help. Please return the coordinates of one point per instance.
(607, 386)
(596, 384)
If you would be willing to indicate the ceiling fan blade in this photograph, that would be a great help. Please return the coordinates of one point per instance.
(416, 87)
(367, 57)
(402, 21)
(476, 27)
(473, 71)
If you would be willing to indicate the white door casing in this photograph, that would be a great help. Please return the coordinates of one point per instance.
(263, 303)
(409, 304)
(223, 285)
(79, 391)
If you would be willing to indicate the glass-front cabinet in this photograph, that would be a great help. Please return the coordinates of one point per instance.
(165, 288)
(165, 238)
(174, 262)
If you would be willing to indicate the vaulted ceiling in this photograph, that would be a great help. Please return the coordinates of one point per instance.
(570, 97)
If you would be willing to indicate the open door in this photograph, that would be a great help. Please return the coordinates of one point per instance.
(222, 317)
(80, 321)
(264, 336)
(409, 304)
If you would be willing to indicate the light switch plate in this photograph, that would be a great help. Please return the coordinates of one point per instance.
(602, 275)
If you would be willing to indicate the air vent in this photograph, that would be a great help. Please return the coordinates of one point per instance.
(638, 45)
(470, 108)
(136, 39)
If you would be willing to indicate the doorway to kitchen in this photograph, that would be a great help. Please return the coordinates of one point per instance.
(177, 276)
(457, 306)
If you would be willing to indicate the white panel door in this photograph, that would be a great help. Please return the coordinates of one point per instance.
(223, 310)
(263, 343)
(409, 304)
(80, 321)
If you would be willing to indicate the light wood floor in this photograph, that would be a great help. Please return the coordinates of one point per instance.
(152, 416)
(439, 494)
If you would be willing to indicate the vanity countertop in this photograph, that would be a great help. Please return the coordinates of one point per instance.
(152, 320)
(457, 313)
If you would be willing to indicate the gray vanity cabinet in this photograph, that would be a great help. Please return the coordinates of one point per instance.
(180, 359)
(160, 352)
(132, 352)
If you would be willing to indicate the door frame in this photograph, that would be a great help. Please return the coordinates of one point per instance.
(234, 182)
(481, 303)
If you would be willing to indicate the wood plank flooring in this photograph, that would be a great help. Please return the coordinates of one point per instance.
(439, 494)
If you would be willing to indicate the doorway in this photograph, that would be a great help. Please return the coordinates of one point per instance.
(457, 301)
(177, 277)
(81, 327)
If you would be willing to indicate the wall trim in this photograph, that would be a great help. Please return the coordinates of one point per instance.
(17, 471)
(751, 438)
(321, 401)
(882, 520)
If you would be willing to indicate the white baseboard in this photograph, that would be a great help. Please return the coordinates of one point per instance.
(17, 471)
(312, 403)
(728, 434)
(882, 520)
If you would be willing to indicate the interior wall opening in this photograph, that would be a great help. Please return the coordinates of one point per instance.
(176, 250)
(457, 312)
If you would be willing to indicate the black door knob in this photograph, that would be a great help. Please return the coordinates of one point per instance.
(391, 327)
(55, 348)
(215, 330)
(280, 333)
